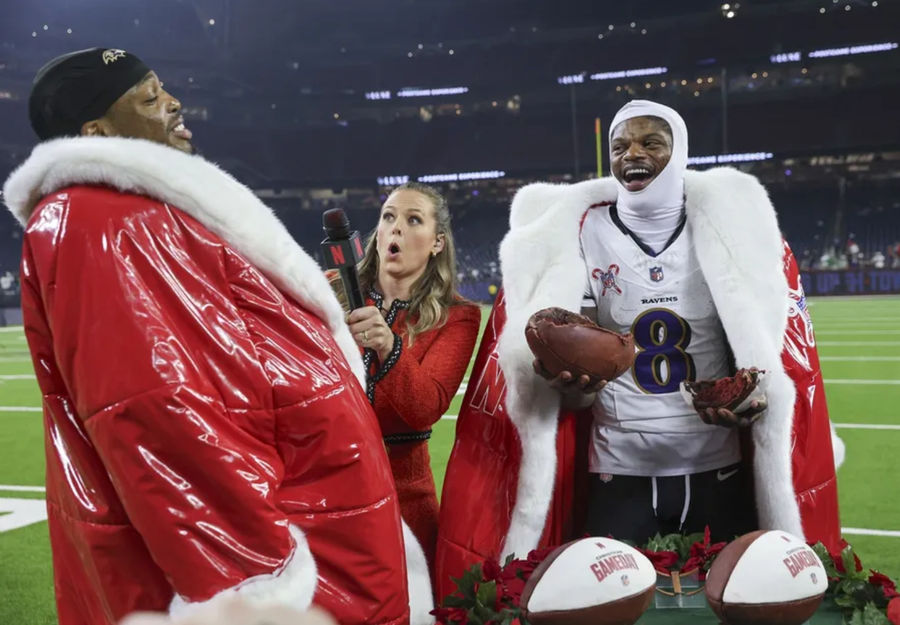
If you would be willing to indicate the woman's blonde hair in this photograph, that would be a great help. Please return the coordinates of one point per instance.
(436, 289)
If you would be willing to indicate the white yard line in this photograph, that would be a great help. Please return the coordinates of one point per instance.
(22, 489)
(864, 532)
(23, 376)
(860, 358)
(857, 343)
(842, 332)
(11, 329)
(21, 513)
(840, 323)
(20, 409)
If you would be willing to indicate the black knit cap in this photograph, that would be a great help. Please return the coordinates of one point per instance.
(78, 87)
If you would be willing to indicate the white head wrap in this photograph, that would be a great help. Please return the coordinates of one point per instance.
(654, 212)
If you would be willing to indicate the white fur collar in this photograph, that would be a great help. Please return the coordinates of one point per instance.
(739, 248)
(199, 188)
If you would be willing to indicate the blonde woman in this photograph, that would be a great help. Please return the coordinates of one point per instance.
(417, 335)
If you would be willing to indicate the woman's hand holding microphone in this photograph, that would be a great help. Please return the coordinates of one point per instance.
(371, 331)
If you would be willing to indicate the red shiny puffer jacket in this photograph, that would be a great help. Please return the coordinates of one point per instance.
(202, 427)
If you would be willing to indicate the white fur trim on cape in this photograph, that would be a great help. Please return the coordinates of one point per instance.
(838, 447)
(293, 584)
(199, 188)
(541, 267)
(418, 580)
(739, 249)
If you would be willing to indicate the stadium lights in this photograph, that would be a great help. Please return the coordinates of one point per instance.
(629, 73)
(571, 79)
(851, 50)
(467, 175)
(786, 57)
(387, 181)
(418, 93)
(743, 157)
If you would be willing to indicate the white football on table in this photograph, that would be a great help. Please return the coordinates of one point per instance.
(766, 578)
(600, 581)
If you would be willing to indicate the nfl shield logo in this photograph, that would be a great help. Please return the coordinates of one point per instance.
(656, 273)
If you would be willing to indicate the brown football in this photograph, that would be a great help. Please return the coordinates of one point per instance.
(766, 578)
(727, 393)
(566, 341)
(590, 581)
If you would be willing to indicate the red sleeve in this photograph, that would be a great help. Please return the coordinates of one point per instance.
(135, 317)
(421, 392)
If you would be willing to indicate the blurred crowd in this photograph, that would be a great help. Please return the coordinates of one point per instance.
(862, 231)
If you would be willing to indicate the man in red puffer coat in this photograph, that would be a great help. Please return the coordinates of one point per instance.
(207, 434)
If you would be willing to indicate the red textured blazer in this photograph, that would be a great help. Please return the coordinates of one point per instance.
(412, 390)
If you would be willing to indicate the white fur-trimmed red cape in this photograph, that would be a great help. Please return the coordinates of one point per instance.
(739, 247)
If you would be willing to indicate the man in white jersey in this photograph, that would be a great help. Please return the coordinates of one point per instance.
(668, 470)
(694, 264)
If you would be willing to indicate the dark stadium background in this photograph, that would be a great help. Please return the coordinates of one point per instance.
(290, 96)
(276, 92)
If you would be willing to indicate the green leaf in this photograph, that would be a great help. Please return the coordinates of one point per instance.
(655, 543)
(873, 616)
(845, 601)
(453, 601)
(851, 593)
(822, 551)
(487, 594)
(856, 618)
(468, 581)
(484, 613)
(850, 564)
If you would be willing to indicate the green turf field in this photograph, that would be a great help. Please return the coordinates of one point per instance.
(859, 342)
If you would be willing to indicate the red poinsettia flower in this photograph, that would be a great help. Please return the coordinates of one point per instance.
(450, 616)
(702, 554)
(887, 584)
(512, 577)
(662, 561)
(490, 570)
(536, 556)
(893, 611)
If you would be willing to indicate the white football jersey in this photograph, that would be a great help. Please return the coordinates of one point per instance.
(642, 424)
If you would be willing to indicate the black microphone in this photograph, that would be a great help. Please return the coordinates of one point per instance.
(342, 249)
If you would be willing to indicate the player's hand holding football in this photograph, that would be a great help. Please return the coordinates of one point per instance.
(577, 391)
(576, 355)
